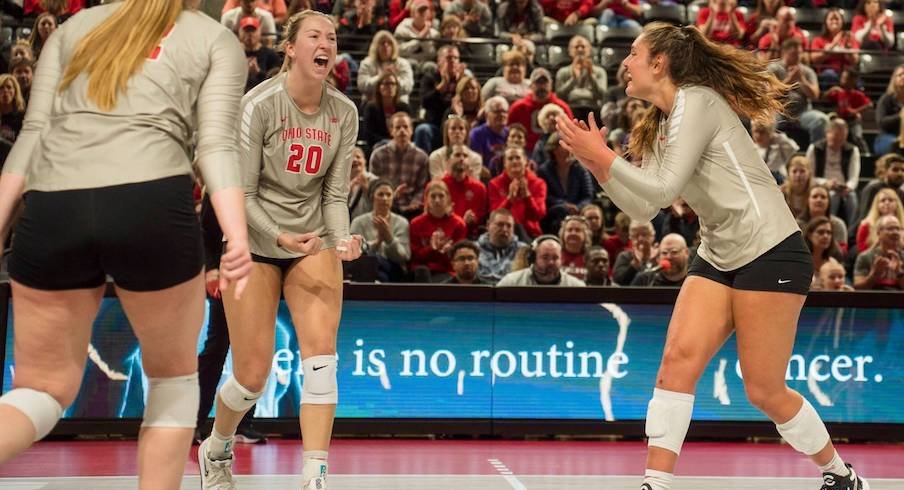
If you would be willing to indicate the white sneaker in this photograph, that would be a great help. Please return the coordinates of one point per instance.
(215, 474)
(318, 483)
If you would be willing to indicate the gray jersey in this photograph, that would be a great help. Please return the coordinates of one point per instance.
(703, 154)
(196, 75)
(295, 166)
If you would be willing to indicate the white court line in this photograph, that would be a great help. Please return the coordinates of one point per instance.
(507, 474)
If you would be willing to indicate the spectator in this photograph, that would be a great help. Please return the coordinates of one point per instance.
(525, 111)
(881, 267)
(384, 232)
(276, 8)
(800, 113)
(593, 215)
(832, 277)
(433, 233)
(366, 18)
(517, 138)
(818, 207)
(402, 164)
(672, 268)
(581, 84)
(575, 237)
(797, 188)
(872, 28)
(569, 185)
(477, 19)
(567, 12)
(382, 105)
(467, 102)
(640, 257)
(415, 33)
(437, 90)
(762, 20)
(44, 26)
(545, 259)
(23, 70)
(834, 50)
(520, 191)
(892, 178)
(464, 263)
(455, 132)
(383, 57)
(772, 43)
(520, 18)
(359, 185)
(20, 49)
(836, 163)
(889, 111)
(57, 7)
(247, 8)
(452, 31)
(819, 235)
(615, 14)
(850, 103)
(886, 203)
(488, 139)
(12, 109)
(681, 219)
(597, 260)
(774, 147)
(498, 246)
(512, 85)
(722, 22)
(469, 195)
(619, 241)
(546, 119)
(261, 59)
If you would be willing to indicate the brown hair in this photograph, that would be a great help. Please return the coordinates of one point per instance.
(738, 76)
(293, 25)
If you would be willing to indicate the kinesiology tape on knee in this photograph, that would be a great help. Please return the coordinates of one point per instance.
(320, 386)
(172, 402)
(237, 397)
(668, 417)
(805, 432)
(42, 409)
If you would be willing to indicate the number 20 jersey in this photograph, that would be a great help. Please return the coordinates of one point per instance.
(295, 166)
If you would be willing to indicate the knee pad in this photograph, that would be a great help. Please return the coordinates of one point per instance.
(42, 409)
(805, 432)
(320, 386)
(236, 397)
(172, 402)
(668, 417)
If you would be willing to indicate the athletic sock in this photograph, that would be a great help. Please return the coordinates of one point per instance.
(314, 465)
(220, 446)
(658, 480)
(836, 466)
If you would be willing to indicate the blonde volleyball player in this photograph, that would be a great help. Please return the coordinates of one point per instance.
(108, 191)
(296, 140)
(752, 258)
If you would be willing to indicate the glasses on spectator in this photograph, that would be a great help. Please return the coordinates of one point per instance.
(498, 111)
(465, 258)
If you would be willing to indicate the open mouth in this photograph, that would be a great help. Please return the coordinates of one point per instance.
(321, 60)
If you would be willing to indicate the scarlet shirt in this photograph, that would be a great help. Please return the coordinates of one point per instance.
(420, 232)
(873, 36)
(560, 9)
(573, 264)
(847, 100)
(34, 6)
(721, 27)
(524, 111)
(527, 211)
(469, 194)
(768, 38)
(834, 61)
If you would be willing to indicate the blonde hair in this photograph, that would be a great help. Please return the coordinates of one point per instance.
(375, 46)
(117, 48)
(588, 235)
(872, 217)
(738, 76)
(891, 81)
(18, 100)
(544, 113)
(453, 20)
(438, 185)
(293, 25)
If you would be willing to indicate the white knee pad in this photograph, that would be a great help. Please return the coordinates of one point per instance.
(237, 397)
(668, 417)
(320, 386)
(172, 402)
(805, 432)
(42, 409)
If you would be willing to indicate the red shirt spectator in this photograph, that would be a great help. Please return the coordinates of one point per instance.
(573, 264)
(520, 191)
(880, 34)
(524, 111)
(561, 9)
(620, 9)
(434, 232)
(721, 29)
(834, 61)
(773, 40)
(275, 7)
(34, 7)
(847, 101)
(469, 195)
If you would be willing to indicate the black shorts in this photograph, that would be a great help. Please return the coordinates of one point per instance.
(146, 236)
(785, 268)
(283, 264)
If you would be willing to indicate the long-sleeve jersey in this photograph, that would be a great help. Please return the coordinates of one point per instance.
(295, 165)
(196, 76)
(703, 154)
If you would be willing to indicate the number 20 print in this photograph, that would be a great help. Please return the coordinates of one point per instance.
(312, 159)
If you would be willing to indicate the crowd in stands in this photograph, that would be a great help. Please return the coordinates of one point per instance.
(459, 176)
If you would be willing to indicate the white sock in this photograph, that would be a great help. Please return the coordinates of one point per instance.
(658, 480)
(836, 466)
(314, 465)
(220, 446)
